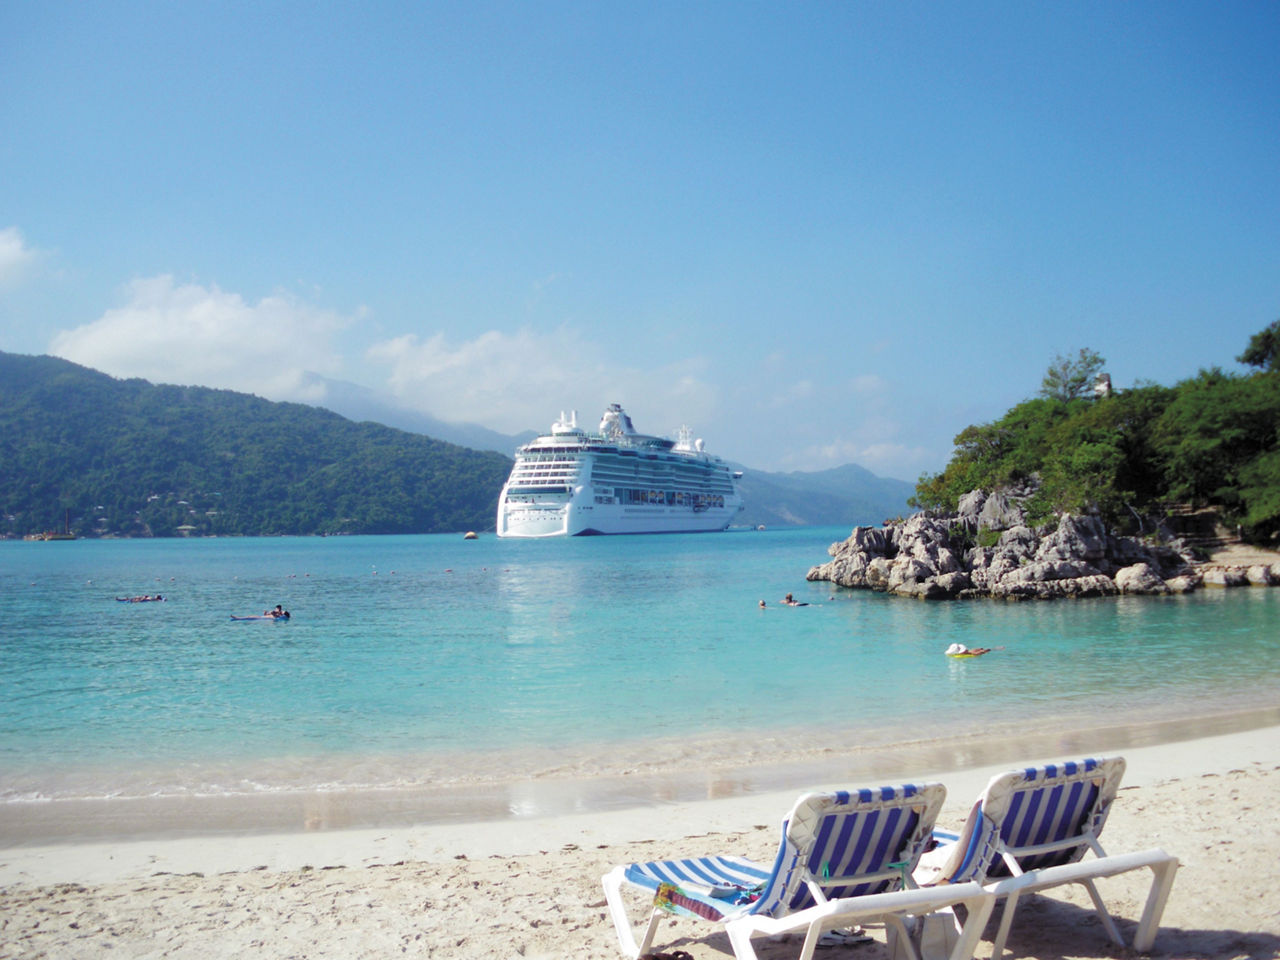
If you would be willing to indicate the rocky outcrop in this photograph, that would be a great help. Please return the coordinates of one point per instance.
(1140, 578)
(933, 557)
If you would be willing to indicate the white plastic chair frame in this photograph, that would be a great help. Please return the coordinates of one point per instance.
(790, 874)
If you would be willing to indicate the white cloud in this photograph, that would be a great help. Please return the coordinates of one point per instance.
(193, 334)
(16, 258)
(869, 384)
(522, 380)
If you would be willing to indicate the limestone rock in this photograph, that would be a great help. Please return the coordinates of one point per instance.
(1225, 577)
(1259, 576)
(931, 556)
(909, 570)
(1140, 578)
(1077, 538)
(1018, 543)
(952, 584)
(870, 540)
(970, 508)
(877, 575)
(1000, 513)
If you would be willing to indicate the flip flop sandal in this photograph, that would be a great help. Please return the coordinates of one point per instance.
(848, 937)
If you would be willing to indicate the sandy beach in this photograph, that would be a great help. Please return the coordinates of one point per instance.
(531, 887)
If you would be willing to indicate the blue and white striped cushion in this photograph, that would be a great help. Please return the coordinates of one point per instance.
(828, 836)
(1054, 810)
(857, 835)
(858, 845)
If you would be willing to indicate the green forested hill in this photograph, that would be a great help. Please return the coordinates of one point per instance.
(129, 458)
(1211, 441)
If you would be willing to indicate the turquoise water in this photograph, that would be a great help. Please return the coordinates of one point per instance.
(433, 659)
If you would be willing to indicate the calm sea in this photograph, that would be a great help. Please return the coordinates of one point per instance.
(432, 660)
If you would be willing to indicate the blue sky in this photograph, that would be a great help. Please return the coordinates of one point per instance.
(816, 233)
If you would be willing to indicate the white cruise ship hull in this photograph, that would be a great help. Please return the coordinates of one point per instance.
(571, 483)
(570, 517)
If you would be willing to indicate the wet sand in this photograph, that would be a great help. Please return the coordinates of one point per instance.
(668, 773)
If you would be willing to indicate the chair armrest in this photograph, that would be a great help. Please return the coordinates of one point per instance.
(1082, 870)
(880, 906)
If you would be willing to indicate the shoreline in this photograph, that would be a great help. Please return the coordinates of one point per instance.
(672, 773)
(327, 829)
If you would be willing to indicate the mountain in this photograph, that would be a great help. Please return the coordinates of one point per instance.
(130, 458)
(848, 495)
(360, 403)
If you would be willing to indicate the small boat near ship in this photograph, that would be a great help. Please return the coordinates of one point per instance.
(571, 483)
(63, 534)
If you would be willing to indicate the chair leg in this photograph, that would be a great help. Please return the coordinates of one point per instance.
(1006, 921)
(1161, 884)
(975, 922)
(1103, 913)
(740, 940)
(903, 935)
(622, 923)
(811, 938)
(650, 929)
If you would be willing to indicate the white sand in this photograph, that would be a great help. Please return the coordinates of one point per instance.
(530, 888)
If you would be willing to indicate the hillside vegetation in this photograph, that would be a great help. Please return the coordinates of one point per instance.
(1212, 440)
(129, 458)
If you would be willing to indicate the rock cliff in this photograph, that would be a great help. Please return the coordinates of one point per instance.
(935, 557)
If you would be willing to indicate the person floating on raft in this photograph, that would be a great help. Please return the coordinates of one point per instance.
(960, 650)
(791, 601)
(279, 613)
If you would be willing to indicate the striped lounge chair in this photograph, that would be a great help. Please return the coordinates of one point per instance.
(845, 858)
(1030, 830)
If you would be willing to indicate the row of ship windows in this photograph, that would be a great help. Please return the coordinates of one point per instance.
(672, 498)
(688, 478)
(549, 454)
(690, 484)
(692, 473)
(559, 473)
(653, 452)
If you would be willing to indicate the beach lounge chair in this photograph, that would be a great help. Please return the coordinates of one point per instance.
(845, 858)
(1029, 831)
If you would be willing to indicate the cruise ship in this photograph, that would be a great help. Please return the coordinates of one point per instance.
(572, 483)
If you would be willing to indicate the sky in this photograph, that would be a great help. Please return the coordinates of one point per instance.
(817, 233)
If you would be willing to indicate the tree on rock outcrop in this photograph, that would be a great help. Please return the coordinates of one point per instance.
(1071, 378)
(1264, 348)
